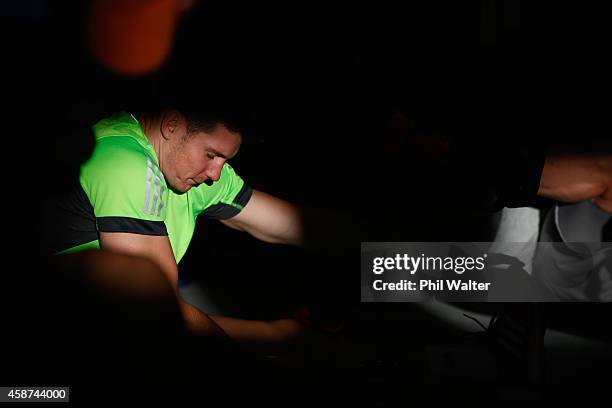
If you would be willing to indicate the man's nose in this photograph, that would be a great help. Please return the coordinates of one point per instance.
(213, 171)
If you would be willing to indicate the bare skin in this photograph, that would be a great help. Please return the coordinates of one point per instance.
(573, 177)
(187, 160)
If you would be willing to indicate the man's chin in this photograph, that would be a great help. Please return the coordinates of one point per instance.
(181, 189)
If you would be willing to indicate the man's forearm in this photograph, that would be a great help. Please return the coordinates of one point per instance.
(577, 177)
(248, 335)
(260, 336)
(199, 322)
(257, 331)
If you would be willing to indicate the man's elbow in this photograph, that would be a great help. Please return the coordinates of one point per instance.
(199, 323)
(292, 240)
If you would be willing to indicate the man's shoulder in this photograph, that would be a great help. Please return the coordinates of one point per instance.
(119, 124)
(119, 136)
(120, 161)
(122, 180)
(119, 153)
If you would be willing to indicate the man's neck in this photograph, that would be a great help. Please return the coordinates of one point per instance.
(151, 129)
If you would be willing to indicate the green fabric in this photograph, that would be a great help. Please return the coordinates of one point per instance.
(122, 179)
(88, 245)
(116, 175)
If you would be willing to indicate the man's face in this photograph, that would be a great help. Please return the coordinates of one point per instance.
(199, 157)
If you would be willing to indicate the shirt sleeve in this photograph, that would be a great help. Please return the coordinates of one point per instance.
(125, 187)
(223, 199)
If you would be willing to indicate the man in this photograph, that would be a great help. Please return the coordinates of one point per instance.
(148, 179)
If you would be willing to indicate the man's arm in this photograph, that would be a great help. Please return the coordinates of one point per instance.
(158, 250)
(276, 221)
(575, 177)
(257, 331)
(270, 219)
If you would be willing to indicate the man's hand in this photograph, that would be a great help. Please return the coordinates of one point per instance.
(573, 177)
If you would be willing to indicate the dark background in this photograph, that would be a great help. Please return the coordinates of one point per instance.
(347, 106)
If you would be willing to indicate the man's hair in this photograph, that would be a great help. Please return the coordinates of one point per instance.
(206, 118)
(204, 106)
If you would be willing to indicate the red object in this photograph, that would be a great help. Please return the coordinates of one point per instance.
(132, 37)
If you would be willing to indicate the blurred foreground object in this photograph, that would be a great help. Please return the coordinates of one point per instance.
(133, 37)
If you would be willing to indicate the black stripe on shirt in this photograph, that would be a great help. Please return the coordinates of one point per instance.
(224, 211)
(131, 225)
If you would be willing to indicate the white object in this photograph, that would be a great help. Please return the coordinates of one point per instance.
(519, 226)
(579, 266)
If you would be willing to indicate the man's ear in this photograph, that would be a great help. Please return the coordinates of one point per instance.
(169, 124)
